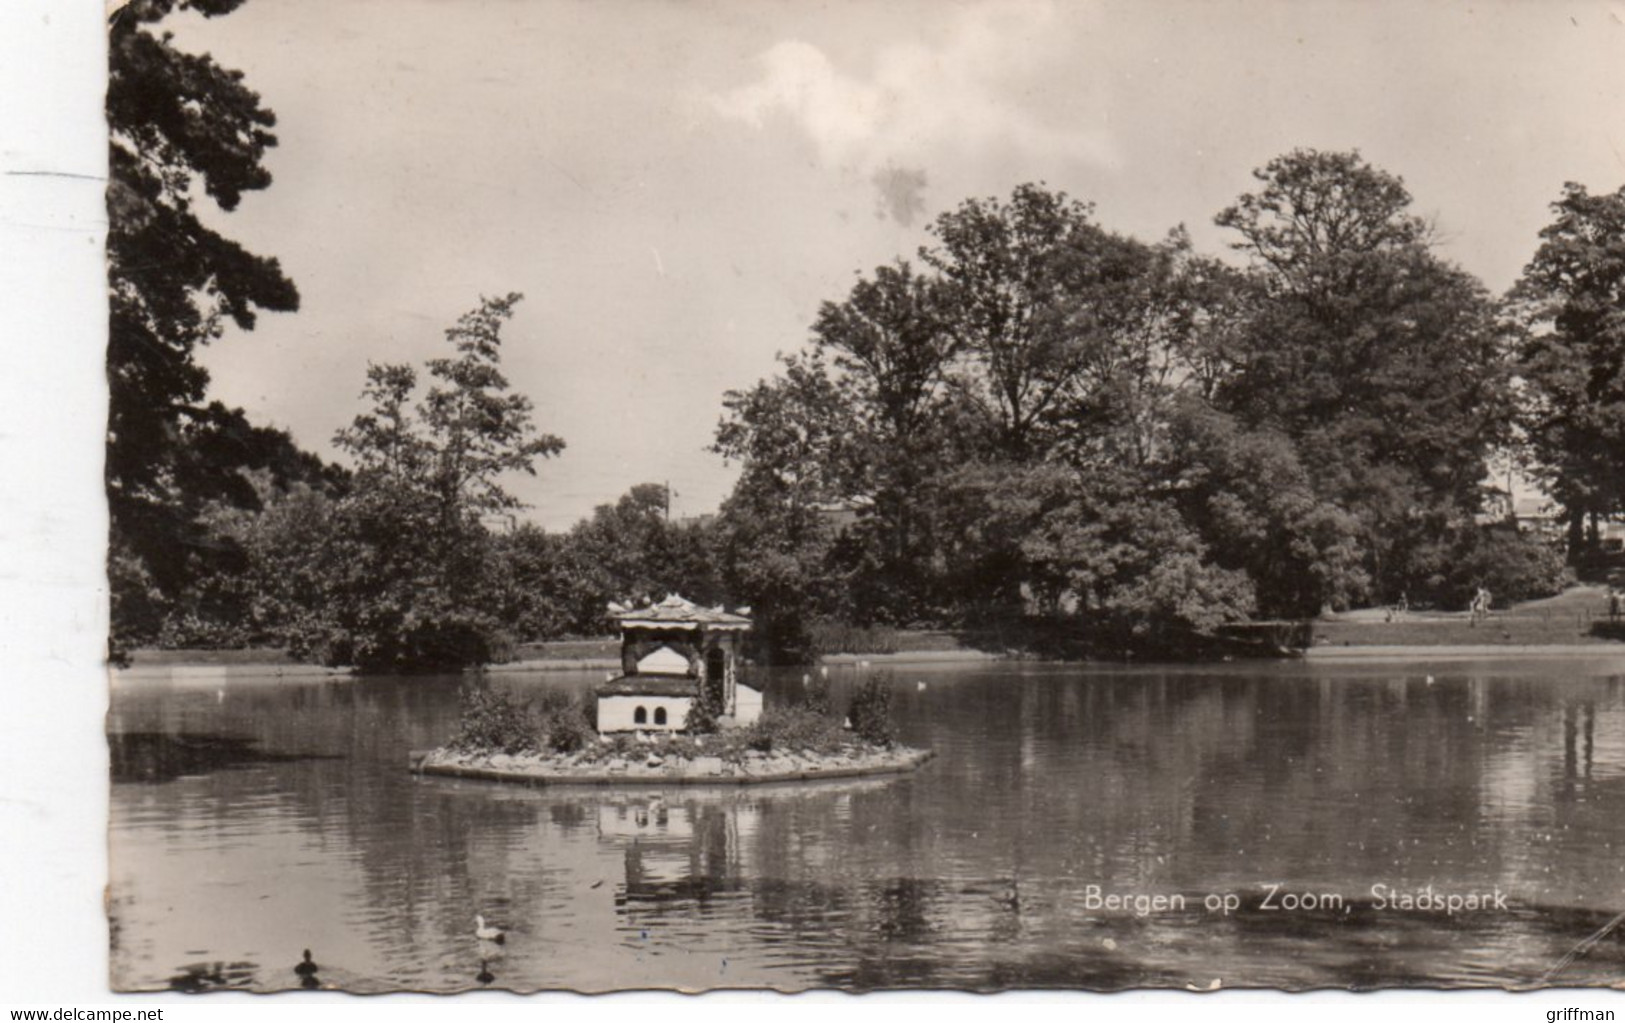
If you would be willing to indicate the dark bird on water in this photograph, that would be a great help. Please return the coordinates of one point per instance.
(306, 969)
(485, 976)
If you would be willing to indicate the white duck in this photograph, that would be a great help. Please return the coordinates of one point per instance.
(485, 932)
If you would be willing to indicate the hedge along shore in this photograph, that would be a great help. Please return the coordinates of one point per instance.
(755, 769)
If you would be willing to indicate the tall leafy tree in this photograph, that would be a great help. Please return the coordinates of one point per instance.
(1384, 364)
(892, 356)
(1069, 337)
(1572, 362)
(183, 131)
(790, 436)
(409, 550)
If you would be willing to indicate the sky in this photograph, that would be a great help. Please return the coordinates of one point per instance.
(675, 187)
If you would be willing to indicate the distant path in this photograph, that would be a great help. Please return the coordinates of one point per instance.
(208, 674)
(913, 657)
(1486, 651)
(1576, 618)
(1587, 598)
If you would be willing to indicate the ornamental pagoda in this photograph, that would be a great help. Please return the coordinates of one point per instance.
(672, 653)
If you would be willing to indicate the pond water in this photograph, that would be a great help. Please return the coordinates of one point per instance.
(1081, 827)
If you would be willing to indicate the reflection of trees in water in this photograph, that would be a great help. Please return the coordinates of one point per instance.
(1171, 781)
(567, 816)
(901, 908)
(156, 757)
(428, 855)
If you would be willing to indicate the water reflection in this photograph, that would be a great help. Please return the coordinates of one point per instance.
(158, 757)
(196, 978)
(983, 870)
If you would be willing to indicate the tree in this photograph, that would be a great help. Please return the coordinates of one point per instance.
(1010, 277)
(629, 550)
(537, 584)
(1249, 497)
(790, 434)
(409, 553)
(776, 559)
(1385, 365)
(278, 575)
(1572, 360)
(792, 438)
(1102, 546)
(179, 125)
(1151, 316)
(891, 354)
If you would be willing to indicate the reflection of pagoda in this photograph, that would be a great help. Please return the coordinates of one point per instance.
(678, 851)
(671, 652)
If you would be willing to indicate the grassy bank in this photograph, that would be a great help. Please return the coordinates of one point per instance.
(569, 651)
(1578, 616)
(596, 649)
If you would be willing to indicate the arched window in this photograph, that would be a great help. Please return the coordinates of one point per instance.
(640, 716)
(660, 715)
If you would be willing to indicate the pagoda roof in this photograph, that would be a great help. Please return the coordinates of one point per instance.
(676, 613)
(647, 685)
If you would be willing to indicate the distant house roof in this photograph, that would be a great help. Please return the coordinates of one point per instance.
(676, 613)
(646, 685)
(1534, 508)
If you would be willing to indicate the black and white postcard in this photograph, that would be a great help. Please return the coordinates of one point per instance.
(971, 495)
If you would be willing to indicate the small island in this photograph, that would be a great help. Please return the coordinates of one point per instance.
(678, 714)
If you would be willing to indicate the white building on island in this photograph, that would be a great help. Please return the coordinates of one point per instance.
(671, 653)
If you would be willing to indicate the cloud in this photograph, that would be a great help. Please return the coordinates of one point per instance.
(980, 86)
(899, 193)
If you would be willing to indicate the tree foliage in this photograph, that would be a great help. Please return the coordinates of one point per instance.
(183, 132)
(1040, 419)
(407, 556)
(1049, 417)
(1572, 360)
(1383, 364)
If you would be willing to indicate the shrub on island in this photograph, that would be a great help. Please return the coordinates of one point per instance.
(494, 721)
(870, 711)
